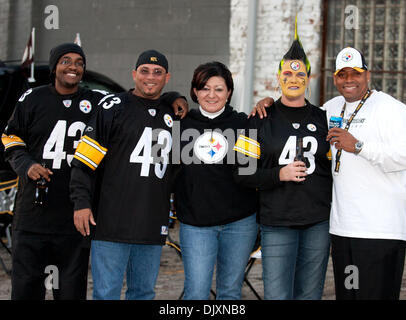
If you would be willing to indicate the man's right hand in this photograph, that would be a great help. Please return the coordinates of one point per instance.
(81, 219)
(36, 171)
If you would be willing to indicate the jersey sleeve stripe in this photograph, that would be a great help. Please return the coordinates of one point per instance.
(90, 152)
(94, 144)
(86, 161)
(249, 140)
(11, 141)
(248, 147)
(247, 153)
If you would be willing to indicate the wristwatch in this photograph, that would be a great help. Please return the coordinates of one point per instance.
(358, 146)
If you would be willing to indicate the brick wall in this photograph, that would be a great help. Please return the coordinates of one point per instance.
(275, 32)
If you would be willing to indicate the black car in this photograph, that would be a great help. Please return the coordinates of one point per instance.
(13, 83)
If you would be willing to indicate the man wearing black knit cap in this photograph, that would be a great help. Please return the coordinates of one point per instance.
(39, 141)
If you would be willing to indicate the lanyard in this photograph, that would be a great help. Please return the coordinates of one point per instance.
(361, 103)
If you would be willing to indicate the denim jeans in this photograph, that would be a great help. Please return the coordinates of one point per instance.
(229, 245)
(294, 261)
(110, 260)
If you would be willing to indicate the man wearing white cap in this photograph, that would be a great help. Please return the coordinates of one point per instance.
(368, 215)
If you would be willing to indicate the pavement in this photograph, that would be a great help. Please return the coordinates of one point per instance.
(171, 277)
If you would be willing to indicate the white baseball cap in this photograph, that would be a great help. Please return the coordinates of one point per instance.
(350, 58)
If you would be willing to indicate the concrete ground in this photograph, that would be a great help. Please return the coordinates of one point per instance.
(170, 280)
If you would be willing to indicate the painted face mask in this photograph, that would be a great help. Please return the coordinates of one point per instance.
(293, 78)
(294, 69)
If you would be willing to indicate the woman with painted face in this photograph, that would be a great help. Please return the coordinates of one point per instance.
(295, 194)
(218, 221)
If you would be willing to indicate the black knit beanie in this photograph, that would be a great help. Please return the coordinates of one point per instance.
(57, 52)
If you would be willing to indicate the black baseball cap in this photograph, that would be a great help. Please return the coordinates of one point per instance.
(152, 57)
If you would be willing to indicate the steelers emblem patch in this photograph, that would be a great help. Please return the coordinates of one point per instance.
(347, 57)
(85, 106)
(168, 120)
(311, 127)
(295, 65)
(211, 147)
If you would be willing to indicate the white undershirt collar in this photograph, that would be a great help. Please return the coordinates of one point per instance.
(211, 115)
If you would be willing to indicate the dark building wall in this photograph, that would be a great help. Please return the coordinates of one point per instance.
(113, 33)
(16, 27)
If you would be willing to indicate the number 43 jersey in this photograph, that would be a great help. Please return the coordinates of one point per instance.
(290, 203)
(46, 128)
(128, 143)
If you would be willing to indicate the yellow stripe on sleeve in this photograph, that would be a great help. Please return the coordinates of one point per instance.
(90, 152)
(11, 141)
(248, 146)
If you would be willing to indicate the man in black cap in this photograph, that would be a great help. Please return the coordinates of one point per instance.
(130, 136)
(39, 141)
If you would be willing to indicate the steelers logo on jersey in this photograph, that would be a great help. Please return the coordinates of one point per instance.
(211, 147)
(85, 106)
(168, 120)
(311, 127)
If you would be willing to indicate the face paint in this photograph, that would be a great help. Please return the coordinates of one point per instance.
(293, 79)
(295, 65)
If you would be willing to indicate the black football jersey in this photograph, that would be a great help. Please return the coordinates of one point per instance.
(130, 140)
(289, 203)
(46, 128)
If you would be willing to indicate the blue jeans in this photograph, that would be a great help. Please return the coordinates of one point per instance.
(294, 261)
(229, 245)
(110, 260)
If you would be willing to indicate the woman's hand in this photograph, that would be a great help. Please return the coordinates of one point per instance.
(295, 171)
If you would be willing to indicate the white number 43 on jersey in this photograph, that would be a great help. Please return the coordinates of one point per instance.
(54, 147)
(288, 153)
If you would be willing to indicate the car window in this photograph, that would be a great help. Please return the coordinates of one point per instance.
(91, 84)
